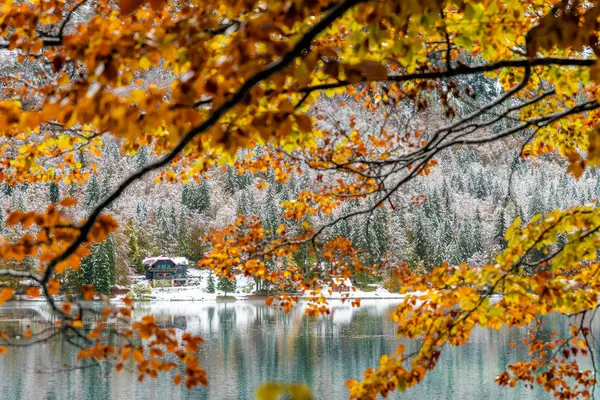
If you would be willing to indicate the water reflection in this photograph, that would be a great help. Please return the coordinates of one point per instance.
(248, 343)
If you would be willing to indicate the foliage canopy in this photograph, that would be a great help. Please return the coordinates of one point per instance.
(198, 80)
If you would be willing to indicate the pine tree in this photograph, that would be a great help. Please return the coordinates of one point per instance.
(196, 197)
(419, 236)
(271, 215)
(105, 188)
(134, 258)
(104, 264)
(165, 232)
(53, 192)
(210, 286)
(226, 285)
(378, 235)
(498, 230)
(141, 213)
(478, 233)
(7, 189)
(98, 269)
(141, 158)
(183, 236)
(92, 195)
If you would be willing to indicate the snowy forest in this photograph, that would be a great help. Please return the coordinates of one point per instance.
(458, 213)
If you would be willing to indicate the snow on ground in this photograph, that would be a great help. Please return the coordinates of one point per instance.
(197, 291)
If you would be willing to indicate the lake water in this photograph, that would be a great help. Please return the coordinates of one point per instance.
(248, 343)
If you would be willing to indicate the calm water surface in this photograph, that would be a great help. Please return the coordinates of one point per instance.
(248, 343)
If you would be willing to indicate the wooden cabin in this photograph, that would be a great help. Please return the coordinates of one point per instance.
(166, 268)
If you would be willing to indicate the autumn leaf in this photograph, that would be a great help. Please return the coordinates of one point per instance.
(304, 123)
(53, 286)
(576, 164)
(6, 294)
(138, 355)
(126, 7)
(33, 292)
(68, 202)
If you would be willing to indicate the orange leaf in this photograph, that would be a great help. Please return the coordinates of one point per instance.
(68, 202)
(27, 335)
(53, 286)
(157, 4)
(138, 356)
(14, 218)
(126, 7)
(66, 308)
(6, 294)
(3, 350)
(177, 379)
(88, 292)
(304, 123)
(33, 292)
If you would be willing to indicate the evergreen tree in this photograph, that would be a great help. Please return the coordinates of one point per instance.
(378, 235)
(53, 192)
(92, 195)
(7, 189)
(196, 197)
(498, 230)
(105, 188)
(419, 237)
(141, 213)
(271, 215)
(134, 257)
(210, 286)
(141, 158)
(478, 234)
(98, 269)
(104, 264)
(226, 285)
(166, 236)
(183, 236)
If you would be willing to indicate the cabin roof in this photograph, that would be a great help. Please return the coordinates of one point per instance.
(150, 261)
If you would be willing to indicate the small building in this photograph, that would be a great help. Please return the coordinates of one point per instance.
(166, 268)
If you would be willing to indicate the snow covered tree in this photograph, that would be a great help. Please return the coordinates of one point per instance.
(210, 283)
(92, 195)
(196, 196)
(53, 192)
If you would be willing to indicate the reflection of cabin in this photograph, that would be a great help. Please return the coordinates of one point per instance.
(166, 268)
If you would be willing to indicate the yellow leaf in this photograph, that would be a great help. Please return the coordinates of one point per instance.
(144, 63)
(268, 391)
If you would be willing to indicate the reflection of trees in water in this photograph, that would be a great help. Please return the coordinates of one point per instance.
(247, 344)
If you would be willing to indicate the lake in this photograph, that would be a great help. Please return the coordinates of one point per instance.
(248, 343)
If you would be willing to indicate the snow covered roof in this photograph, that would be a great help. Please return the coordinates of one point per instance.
(175, 260)
(181, 260)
